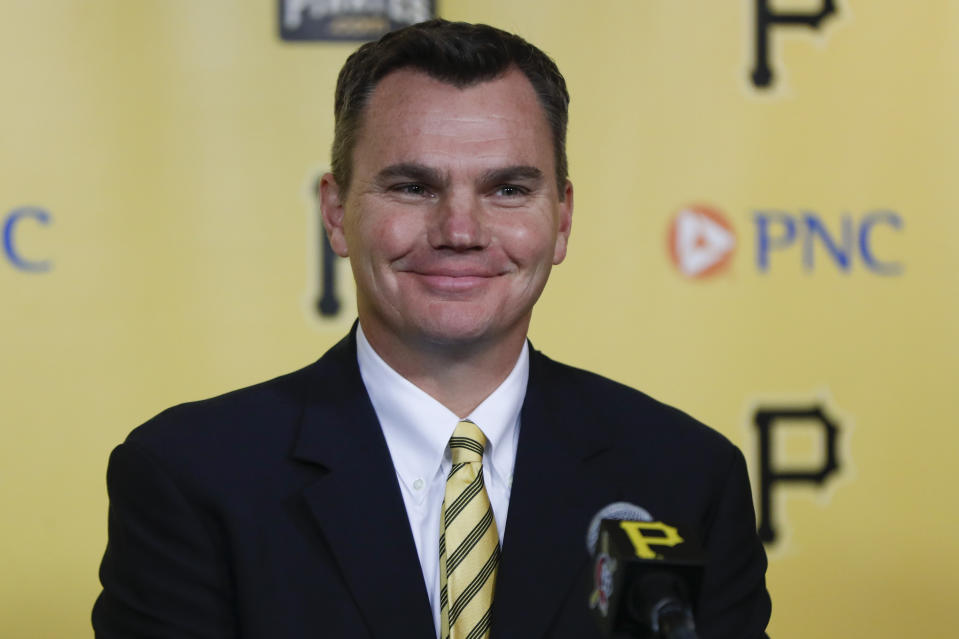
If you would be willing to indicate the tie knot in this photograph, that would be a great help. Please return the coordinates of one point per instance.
(467, 443)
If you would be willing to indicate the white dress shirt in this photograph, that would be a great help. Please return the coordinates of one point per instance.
(418, 428)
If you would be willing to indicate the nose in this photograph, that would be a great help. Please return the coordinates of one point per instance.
(458, 223)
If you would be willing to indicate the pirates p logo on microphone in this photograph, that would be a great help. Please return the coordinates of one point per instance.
(646, 573)
(644, 534)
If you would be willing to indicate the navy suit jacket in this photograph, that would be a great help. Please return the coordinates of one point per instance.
(274, 512)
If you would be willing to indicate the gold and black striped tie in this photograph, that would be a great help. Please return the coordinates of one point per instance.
(468, 530)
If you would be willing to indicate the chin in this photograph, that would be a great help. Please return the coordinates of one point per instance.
(453, 335)
(464, 329)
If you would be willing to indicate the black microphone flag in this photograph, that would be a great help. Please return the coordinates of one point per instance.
(646, 578)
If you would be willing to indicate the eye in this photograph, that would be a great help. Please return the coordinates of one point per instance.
(510, 190)
(412, 188)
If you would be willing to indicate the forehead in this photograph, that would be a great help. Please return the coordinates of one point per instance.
(412, 116)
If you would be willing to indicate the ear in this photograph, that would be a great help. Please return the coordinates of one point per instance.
(332, 206)
(565, 223)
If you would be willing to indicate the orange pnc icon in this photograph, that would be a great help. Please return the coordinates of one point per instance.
(701, 241)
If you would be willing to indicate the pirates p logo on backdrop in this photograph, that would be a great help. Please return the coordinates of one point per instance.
(774, 423)
(766, 21)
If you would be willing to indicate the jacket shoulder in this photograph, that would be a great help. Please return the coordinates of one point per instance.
(630, 415)
(225, 416)
(254, 415)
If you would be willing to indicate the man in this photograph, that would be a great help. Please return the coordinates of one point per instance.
(431, 475)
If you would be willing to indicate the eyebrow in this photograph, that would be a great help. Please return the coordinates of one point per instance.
(411, 171)
(512, 174)
(417, 172)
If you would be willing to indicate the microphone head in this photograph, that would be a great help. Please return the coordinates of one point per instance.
(621, 510)
(646, 573)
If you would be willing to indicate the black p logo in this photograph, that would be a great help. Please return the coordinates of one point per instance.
(766, 19)
(768, 420)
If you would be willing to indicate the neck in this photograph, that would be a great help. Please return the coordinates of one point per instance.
(458, 376)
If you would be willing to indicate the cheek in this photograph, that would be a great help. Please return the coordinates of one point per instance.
(529, 242)
(380, 237)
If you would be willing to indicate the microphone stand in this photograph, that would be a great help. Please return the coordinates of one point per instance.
(657, 609)
(671, 619)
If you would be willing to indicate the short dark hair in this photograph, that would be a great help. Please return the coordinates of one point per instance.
(458, 53)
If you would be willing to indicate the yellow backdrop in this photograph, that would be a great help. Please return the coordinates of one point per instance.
(739, 250)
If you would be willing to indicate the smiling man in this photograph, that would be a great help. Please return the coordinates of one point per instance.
(452, 220)
(431, 475)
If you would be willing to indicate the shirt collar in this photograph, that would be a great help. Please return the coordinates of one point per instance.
(417, 428)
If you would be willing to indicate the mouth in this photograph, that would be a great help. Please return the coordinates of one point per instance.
(452, 282)
(456, 277)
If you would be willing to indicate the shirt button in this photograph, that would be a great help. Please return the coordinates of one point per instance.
(418, 484)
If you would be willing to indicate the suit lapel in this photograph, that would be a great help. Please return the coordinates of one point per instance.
(558, 485)
(357, 503)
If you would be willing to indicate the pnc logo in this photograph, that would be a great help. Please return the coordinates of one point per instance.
(10, 227)
(701, 241)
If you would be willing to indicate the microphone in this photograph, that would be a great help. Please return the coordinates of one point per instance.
(646, 574)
